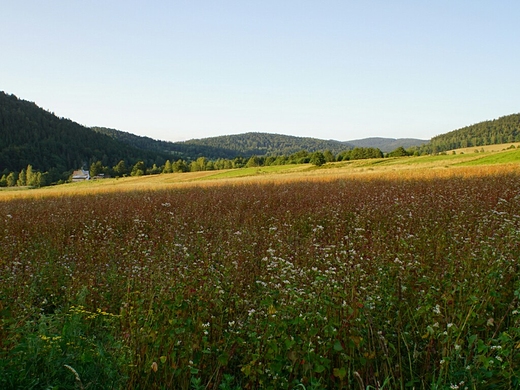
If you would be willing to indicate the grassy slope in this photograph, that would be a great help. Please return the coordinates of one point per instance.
(400, 166)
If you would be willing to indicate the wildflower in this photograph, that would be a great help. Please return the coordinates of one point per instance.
(154, 367)
(437, 309)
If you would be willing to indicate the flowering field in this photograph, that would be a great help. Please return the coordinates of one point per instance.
(361, 282)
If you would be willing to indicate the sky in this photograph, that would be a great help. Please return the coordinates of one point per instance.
(343, 70)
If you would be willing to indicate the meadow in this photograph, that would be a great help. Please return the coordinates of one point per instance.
(356, 276)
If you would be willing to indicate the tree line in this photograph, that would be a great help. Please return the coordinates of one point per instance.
(205, 164)
(33, 178)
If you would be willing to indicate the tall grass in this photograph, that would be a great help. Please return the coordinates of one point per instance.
(358, 282)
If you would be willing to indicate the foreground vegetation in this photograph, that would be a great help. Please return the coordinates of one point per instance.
(366, 281)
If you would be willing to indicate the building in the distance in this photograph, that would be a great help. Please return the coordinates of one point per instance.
(80, 175)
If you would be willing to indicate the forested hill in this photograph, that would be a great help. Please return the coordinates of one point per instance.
(387, 144)
(265, 144)
(229, 146)
(183, 150)
(32, 135)
(498, 131)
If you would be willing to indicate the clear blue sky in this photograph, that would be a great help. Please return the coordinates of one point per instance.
(177, 70)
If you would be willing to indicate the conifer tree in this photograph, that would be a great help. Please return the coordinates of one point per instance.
(168, 167)
(11, 179)
(22, 178)
(33, 178)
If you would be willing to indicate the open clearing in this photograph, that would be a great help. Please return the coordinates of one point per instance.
(401, 167)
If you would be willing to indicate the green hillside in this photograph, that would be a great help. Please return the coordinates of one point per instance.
(498, 131)
(32, 135)
(266, 144)
(229, 146)
(176, 150)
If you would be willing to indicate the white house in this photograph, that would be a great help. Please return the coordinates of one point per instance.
(80, 175)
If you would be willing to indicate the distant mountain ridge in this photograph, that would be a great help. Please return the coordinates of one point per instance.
(269, 144)
(254, 144)
(229, 146)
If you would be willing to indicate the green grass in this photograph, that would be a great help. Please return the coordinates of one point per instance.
(255, 171)
(493, 155)
(439, 159)
(503, 157)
